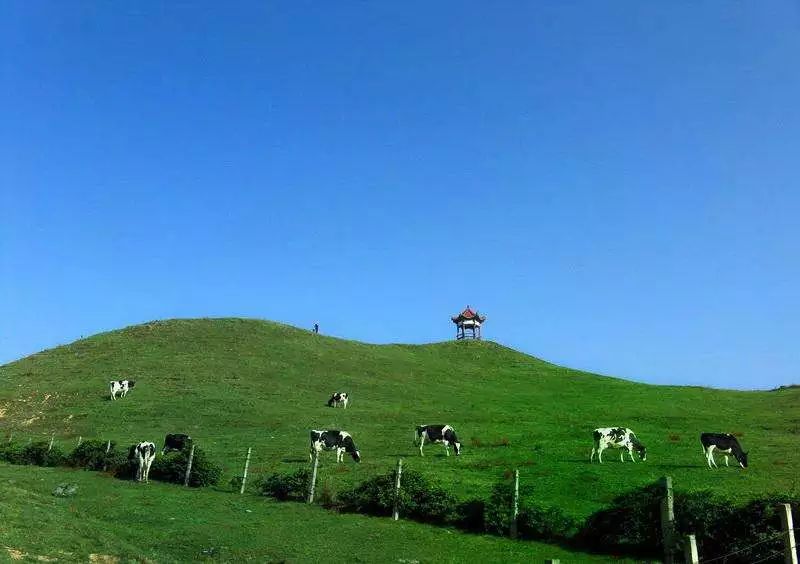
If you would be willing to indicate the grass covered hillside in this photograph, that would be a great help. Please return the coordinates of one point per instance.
(234, 383)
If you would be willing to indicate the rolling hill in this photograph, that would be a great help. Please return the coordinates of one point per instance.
(238, 383)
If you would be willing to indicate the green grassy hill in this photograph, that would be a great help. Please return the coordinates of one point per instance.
(234, 383)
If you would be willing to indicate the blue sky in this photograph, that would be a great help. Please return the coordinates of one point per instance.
(614, 184)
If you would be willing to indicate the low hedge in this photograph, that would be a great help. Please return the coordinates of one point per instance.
(419, 499)
(92, 455)
(631, 525)
(172, 468)
(285, 487)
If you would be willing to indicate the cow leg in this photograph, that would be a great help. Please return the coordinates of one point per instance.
(630, 453)
(726, 460)
(421, 442)
(600, 454)
(446, 448)
(622, 455)
(711, 456)
(591, 456)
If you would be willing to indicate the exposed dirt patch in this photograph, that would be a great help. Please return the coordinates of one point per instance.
(15, 554)
(103, 559)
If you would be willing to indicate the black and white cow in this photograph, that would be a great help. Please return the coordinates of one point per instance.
(338, 398)
(177, 441)
(142, 455)
(616, 437)
(437, 434)
(120, 387)
(340, 441)
(724, 443)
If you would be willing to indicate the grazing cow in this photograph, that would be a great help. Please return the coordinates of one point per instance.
(617, 437)
(340, 441)
(176, 442)
(143, 455)
(726, 444)
(437, 434)
(120, 387)
(337, 398)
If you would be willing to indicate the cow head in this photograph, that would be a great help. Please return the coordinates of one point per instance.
(742, 458)
(356, 456)
(131, 383)
(642, 452)
(457, 447)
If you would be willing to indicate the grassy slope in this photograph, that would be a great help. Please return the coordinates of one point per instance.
(234, 383)
(164, 523)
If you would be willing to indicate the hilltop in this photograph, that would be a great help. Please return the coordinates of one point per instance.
(235, 383)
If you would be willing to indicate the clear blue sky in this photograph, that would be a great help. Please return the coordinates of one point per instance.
(615, 184)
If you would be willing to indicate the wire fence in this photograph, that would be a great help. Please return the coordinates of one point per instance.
(771, 538)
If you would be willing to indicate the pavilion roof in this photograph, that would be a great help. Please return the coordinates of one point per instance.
(468, 314)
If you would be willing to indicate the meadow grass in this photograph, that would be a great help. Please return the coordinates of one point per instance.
(120, 521)
(235, 383)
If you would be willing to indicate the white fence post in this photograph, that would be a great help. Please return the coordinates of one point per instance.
(313, 478)
(690, 555)
(50, 446)
(396, 511)
(668, 520)
(80, 440)
(790, 548)
(515, 506)
(108, 446)
(189, 466)
(246, 466)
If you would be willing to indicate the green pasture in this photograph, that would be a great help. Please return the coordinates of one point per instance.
(235, 383)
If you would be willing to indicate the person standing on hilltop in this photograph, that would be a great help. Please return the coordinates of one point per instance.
(316, 328)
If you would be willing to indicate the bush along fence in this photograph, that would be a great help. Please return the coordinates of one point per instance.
(649, 522)
(193, 468)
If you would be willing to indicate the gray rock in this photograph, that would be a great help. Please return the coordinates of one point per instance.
(65, 490)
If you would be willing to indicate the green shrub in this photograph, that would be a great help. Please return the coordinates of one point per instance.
(40, 454)
(120, 466)
(632, 524)
(91, 455)
(419, 499)
(11, 453)
(547, 524)
(533, 521)
(285, 487)
(469, 515)
(172, 468)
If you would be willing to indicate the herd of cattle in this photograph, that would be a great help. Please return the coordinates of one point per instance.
(342, 442)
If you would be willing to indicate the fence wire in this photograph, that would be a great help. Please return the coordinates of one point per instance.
(745, 549)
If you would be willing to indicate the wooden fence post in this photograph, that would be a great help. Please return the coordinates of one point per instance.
(189, 466)
(246, 466)
(515, 506)
(105, 463)
(396, 510)
(790, 548)
(690, 555)
(313, 478)
(50, 446)
(668, 520)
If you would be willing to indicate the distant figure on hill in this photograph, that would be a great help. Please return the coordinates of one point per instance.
(316, 328)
